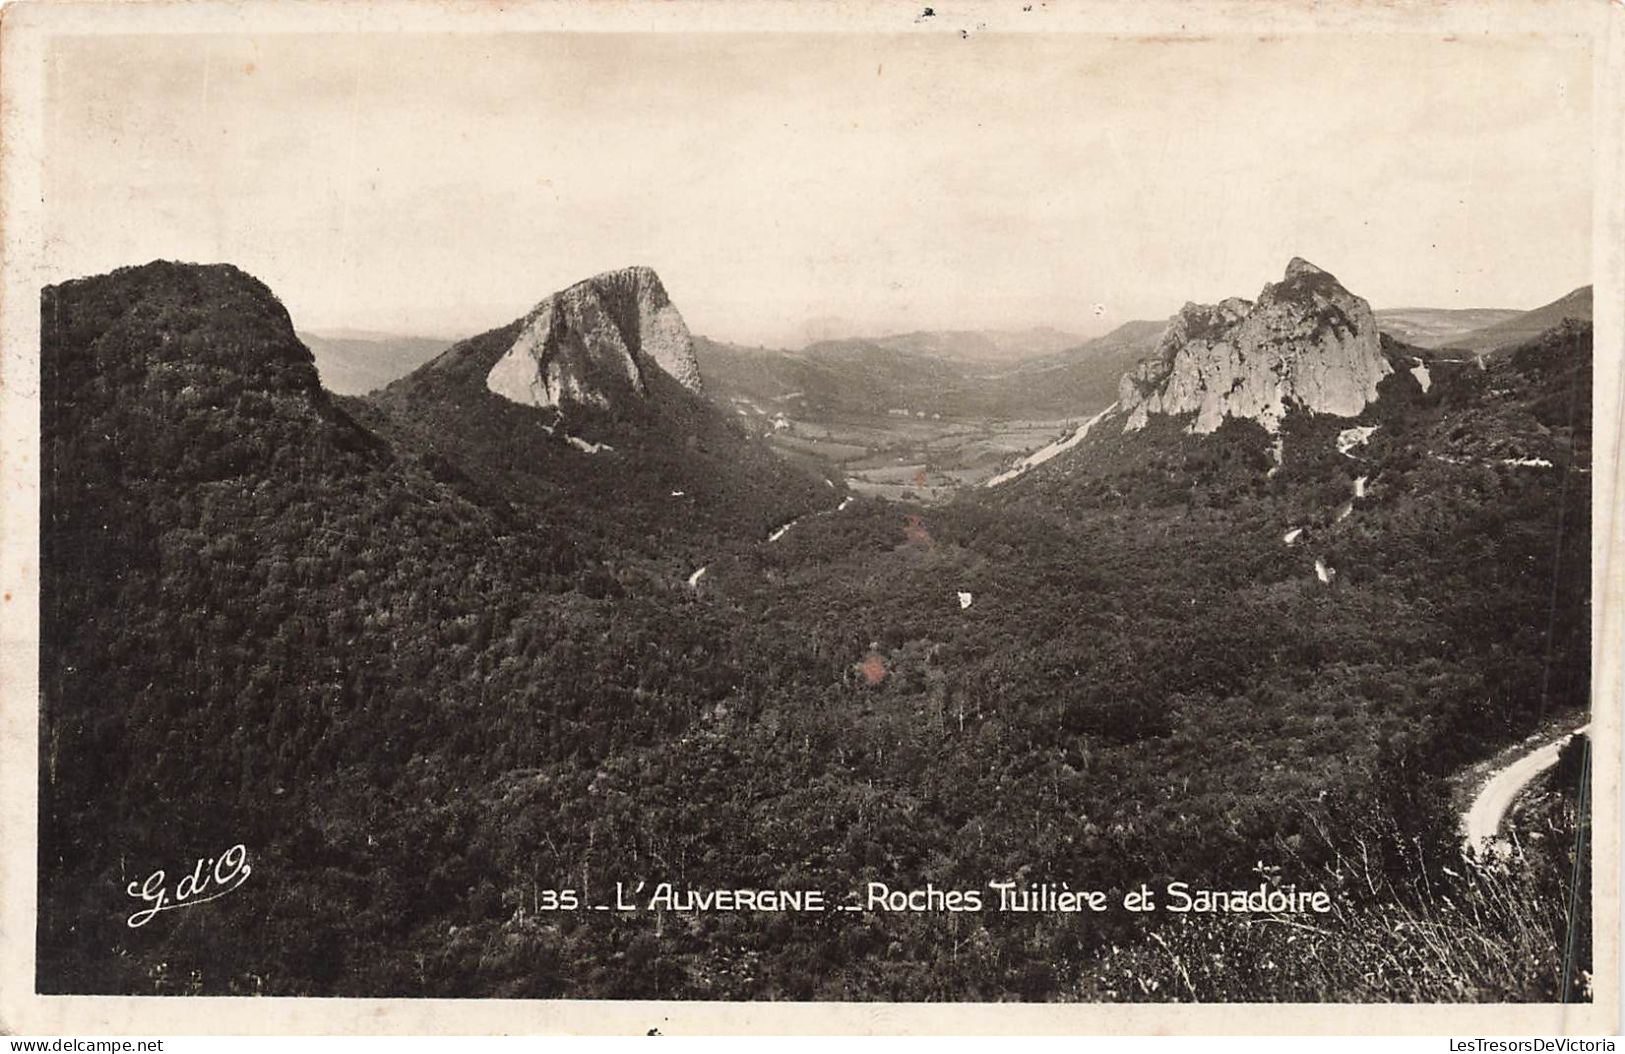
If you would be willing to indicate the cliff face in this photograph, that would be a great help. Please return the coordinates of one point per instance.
(594, 342)
(1305, 342)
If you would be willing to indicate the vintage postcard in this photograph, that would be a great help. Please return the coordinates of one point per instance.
(756, 517)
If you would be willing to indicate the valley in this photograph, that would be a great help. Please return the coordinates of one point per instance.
(920, 416)
(911, 457)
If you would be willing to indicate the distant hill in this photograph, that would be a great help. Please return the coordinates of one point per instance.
(840, 377)
(1529, 324)
(355, 362)
(1139, 335)
(904, 373)
(963, 345)
(1084, 377)
(1434, 327)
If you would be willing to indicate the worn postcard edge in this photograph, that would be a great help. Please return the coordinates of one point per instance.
(27, 27)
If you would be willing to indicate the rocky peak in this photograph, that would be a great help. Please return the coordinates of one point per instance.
(1306, 342)
(595, 342)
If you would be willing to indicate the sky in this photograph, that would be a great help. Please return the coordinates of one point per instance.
(791, 186)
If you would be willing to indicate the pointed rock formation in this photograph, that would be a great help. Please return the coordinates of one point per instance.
(595, 342)
(1306, 342)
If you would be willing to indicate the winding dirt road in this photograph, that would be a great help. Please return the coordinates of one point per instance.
(1482, 821)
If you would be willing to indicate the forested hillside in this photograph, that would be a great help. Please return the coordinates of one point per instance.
(252, 603)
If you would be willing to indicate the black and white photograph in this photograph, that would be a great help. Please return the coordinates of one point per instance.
(884, 504)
